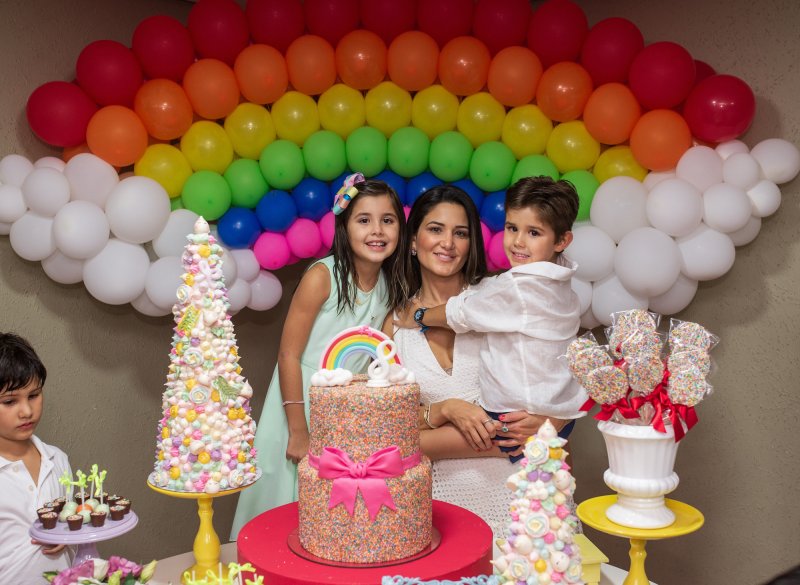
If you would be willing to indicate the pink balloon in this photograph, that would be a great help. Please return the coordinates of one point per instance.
(487, 235)
(275, 22)
(331, 19)
(109, 73)
(556, 31)
(388, 18)
(720, 108)
(662, 75)
(497, 253)
(164, 47)
(501, 23)
(304, 238)
(219, 29)
(327, 226)
(59, 112)
(445, 20)
(406, 211)
(323, 251)
(610, 48)
(272, 251)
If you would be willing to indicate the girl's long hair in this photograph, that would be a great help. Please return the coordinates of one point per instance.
(344, 272)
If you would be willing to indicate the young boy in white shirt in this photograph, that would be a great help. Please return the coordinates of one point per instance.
(529, 314)
(29, 468)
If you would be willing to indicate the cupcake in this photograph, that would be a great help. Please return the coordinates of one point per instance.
(112, 500)
(79, 498)
(58, 504)
(45, 510)
(125, 503)
(98, 519)
(117, 512)
(49, 520)
(75, 521)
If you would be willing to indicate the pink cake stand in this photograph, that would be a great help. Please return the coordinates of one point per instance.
(87, 537)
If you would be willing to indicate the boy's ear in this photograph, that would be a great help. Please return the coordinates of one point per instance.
(565, 241)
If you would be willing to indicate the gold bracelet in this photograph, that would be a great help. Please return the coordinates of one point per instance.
(426, 416)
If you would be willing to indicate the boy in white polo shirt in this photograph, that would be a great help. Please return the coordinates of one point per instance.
(29, 468)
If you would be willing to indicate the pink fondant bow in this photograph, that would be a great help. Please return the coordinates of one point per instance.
(369, 477)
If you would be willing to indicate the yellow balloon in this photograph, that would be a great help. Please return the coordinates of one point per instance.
(434, 110)
(618, 161)
(250, 129)
(388, 107)
(166, 165)
(526, 130)
(341, 109)
(571, 147)
(480, 118)
(295, 116)
(207, 147)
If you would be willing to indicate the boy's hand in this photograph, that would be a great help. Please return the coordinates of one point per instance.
(405, 319)
(49, 549)
(520, 425)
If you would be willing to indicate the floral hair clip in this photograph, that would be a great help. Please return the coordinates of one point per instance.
(346, 193)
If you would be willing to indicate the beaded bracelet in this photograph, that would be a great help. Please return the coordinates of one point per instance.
(285, 402)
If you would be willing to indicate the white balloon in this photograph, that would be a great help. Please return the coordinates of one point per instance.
(31, 236)
(50, 162)
(706, 254)
(81, 229)
(676, 299)
(609, 296)
(731, 147)
(172, 239)
(229, 269)
(90, 178)
(675, 207)
(117, 274)
(765, 198)
(246, 264)
(265, 291)
(163, 279)
(726, 207)
(748, 233)
(742, 170)
(653, 178)
(12, 203)
(138, 209)
(5, 228)
(618, 206)
(701, 166)
(592, 250)
(779, 159)
(584, 291)
(589, 321)
(14, 168)
(62, 268)
(647, 262)
(239, 295)
(145, 306)
(45, 191)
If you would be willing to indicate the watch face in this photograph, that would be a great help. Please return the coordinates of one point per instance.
(418, 314)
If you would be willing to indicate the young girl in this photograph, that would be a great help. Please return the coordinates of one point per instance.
(354, 285)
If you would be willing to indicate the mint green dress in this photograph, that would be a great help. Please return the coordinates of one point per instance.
(278, 483)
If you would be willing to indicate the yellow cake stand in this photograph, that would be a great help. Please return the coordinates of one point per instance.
(206, 543)
(593, 513)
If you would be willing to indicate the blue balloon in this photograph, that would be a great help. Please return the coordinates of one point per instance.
(276, 211)
(396, 182)
(238, 228)
(493, 211)
(419, 184)
(312, 198)
(472, 190)
(336, 184)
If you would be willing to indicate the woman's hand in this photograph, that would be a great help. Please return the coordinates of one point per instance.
(49, 549)
(298, 446)
(517, 426)
(477, 427)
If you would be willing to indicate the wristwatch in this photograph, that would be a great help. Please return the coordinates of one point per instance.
(418, 316)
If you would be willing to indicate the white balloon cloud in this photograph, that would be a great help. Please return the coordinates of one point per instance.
(610, 296)
(163, 279)
(748, 233)
(700, 166)
(63, 269)
(172, 239)
(90, 178)
(706, 254)
(647, 262)
(765, 197)
(265, 291)
(675, 207)
(137, 209)
(81, 229)
(779, 159)
(117, 274)
(742, 170)
(12, 203)
(32, 236)
(14, 168)
(618, 207)
(45, 191)
(726, 207)
(592, 250)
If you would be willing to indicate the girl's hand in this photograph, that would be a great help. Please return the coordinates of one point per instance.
(477, 427)
(297, 447)
(49, 549)
(522, 425)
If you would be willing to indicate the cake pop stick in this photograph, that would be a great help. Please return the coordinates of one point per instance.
(66, 481)
(81, 483)
(101, 478)
(92, 478)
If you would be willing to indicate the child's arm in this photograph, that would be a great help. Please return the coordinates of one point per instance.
(311, 293)
(447, 442)
(433, 317)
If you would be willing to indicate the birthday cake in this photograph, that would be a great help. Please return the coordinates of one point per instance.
(205, 436)
(365, 487)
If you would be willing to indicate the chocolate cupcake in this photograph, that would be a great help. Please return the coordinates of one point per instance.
(125, 503)
(75, 521)
(98, 519)
(117, 512)
(45, 510)
(58, 504)
(112, 500)
(49, 520)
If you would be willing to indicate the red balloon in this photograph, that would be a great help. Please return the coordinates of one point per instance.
(388, 18)
(556, 31)
(331, 19)
(164, 47)
(109, 73)
(720, 108)
(662, 75)
(275, 22)
(59, 112)
(445, 20)
(501, 23)
(218, 29)
(464, 65)
(361, 59)
(609, 50)
(702, 71)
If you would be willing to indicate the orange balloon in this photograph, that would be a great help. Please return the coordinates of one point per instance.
(312, 64)
(164, 109)
(211, 87)
(514, 75)
(261, 73)
(71, 151)
(412, 60)
(563, 91)
(659, 139)
(361, 59)
(464, 65)
(117, 135)
(611, 113)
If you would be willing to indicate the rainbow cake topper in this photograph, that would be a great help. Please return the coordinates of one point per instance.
(352, 341)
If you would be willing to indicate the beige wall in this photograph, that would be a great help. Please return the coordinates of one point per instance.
(739, 466)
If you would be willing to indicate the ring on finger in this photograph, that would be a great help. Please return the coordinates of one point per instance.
(488, 420)
(504, 428)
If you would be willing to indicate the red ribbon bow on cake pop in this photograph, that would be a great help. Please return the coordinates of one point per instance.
(370, 476)
(346, 193)
(676, 413)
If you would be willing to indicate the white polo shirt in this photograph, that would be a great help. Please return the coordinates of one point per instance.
(20, 561)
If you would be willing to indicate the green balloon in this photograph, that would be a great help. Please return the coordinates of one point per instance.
(491, 166)
(282, 164)
(247, 183)
(586, 185)
(175, 203)
(408, 151)
(534, 165)
(451, 153)
(207, 194)
(366, 151)
(323, 154)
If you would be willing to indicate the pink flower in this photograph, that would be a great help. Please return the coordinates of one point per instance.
(127, 567)
(71, 575)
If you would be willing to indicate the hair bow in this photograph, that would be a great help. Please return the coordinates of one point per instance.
(346, 193)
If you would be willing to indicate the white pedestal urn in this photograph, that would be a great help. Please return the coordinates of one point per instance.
(641, 462)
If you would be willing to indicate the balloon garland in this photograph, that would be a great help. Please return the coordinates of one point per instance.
(250, 117)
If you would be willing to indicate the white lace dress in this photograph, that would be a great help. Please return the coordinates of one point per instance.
(475, 484)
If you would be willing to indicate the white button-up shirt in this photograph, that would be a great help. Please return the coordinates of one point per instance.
(20, 561)
(529, 315)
